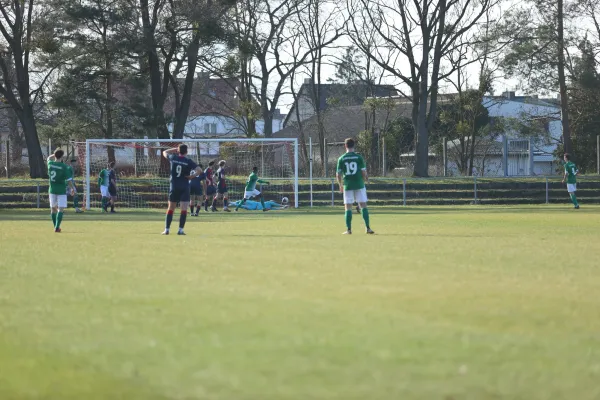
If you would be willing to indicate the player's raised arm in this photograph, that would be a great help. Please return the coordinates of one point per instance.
(168, 152)
(52, 157)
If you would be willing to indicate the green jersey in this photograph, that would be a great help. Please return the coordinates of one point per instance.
(58, 173)
(351, 166)
(71, 173)
(104, 177)
(251, 182)
(571, 171)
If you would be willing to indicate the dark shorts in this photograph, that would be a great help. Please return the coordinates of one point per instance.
(112, 190)
(210, 190)
(179, 195)
(196, 190)
(222, 189)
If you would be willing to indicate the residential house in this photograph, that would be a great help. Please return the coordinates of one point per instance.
(332, 96)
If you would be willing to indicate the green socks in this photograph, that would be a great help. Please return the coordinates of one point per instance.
(53, 219)
(58, 219)
(75, 201)
(262, 202)
(574, 199)
(349, 219)
(365, 215)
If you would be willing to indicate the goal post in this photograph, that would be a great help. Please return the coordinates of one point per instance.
(143, 176)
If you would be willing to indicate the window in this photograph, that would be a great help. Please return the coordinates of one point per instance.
(210, 129)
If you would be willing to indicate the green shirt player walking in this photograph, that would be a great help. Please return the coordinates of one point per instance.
(104, 182)
(571, 177)
(352, 171)
(59, 175)
(250, 191)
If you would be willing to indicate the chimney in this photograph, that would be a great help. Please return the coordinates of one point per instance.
(509, 95)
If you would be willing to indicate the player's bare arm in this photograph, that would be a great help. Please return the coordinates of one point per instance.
(339, 181)
(168, 152)
(52, 158)
(197, 171)
(365, 176)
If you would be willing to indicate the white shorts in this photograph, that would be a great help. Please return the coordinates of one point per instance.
(252, 193)
(58, 200)
(571, 187)
(104, 191)
(359, 196)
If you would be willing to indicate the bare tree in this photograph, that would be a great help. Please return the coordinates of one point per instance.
(411, 39)
(23, 32)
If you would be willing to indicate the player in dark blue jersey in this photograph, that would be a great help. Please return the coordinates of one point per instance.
(198, 191)
(221, 188)
(210, 184)
(182, 170)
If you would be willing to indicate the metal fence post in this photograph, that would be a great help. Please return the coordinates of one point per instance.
(384, 156)
(475, 188)
(310, 169)
(332, 192)
(547, 194)
(7, 160)
(326, 156)
(445, 155)
(404, 192)
(38, 195)
(505, 155)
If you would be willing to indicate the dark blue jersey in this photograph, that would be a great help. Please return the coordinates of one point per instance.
(197, 181)
(208, 173)
(181, 168)
(112, 178)
(221, 177)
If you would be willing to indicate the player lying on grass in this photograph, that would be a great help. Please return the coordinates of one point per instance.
(182, 170)
(250, 191)
(352, 171)
(571, 172)
(257, 205)
(59, 176)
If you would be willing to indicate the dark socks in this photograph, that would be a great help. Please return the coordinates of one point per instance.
(574, 199)
(262, 202)
(365, 215)
(349, 219)
(169, 219)
(59, 218)
(112, 207)
(182, 219)
(214, 203)
(53, 219)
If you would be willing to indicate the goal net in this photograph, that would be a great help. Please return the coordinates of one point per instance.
(143, 174)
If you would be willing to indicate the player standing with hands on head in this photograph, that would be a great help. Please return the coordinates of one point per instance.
(251, 191)
(351, 176)
(198, 191)
(571, 172)
(59, 175)
(182, 170)
(210, 184)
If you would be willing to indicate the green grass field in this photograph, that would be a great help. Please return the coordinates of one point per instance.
(443, 303)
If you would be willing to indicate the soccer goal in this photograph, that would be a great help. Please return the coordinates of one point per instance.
(143, 174)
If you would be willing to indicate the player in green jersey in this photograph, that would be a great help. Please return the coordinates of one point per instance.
(59, 176)
(251, 190)
(352, 176)
(104, 183)
(571, 172)
(74, 191)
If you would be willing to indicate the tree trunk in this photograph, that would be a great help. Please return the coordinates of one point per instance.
(108, 134)
(37, 168)
(15, 137)
(183, 111)
(564, 102)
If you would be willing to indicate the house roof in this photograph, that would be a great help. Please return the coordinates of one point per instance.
(349, 94)
(209, 97)
(342, 122)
